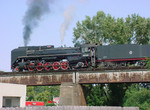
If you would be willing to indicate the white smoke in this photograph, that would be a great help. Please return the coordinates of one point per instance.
(68, 16)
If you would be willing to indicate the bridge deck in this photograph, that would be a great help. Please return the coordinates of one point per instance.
(81, 77)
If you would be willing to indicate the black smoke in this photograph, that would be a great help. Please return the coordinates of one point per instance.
(36, 9)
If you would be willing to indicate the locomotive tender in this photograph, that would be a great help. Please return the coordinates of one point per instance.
(46, 58)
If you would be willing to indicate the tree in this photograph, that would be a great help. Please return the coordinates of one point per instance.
(137, 96)
(30, 94)
(139, 28)
(147, 61)
(43, 96)
(121, 32)
(116, 93)
(39, 89)
(53, 90)
(105, 94)
(91, 30)
(95, 95)
(104, 29)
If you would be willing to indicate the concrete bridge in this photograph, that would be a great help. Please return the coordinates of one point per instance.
(71, 92)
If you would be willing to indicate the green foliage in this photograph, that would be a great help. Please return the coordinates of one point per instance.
(147, 61)
(43, 96)
(116, 94)
(30, 93)
(136, 96)
(42, 93)
(140, 28)
(105, 29)
(105, 94)
(53, 90)
(95, 95)
(52, 104)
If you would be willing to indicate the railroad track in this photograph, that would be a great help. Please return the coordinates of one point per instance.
(79, 70)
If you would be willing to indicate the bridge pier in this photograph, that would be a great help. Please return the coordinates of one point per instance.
(71, 94)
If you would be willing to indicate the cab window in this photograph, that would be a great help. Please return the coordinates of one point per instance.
(84, 50)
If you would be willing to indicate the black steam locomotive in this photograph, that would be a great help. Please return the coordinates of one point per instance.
(46, 58)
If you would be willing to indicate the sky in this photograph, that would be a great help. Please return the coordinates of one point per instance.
(12, 13)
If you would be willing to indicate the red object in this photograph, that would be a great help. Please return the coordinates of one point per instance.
(39, 66)
(49, 46)
(17, 69)
(109, 60)
(34, 103)
(64, 65)
(50, 102)
(31, 67)
(86, 63)
(56, 65)
(47, 66)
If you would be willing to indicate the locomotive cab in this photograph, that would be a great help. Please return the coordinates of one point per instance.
(88, 51)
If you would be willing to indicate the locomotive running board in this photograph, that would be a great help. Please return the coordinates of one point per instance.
(50, 55)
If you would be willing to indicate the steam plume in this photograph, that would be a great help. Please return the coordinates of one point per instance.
(36, 9)
(68, 16)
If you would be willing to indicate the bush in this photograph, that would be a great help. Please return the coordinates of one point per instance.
(139, 97)
(50, 104)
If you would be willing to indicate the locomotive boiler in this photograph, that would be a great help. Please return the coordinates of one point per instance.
(46, 58)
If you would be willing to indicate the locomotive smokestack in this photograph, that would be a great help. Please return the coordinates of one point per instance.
(68, 16)
(36, 9)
